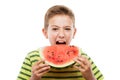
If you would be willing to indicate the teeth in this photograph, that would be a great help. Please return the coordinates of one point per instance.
(60, 41)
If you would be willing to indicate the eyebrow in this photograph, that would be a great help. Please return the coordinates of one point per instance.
(58, 26)
(54, 26)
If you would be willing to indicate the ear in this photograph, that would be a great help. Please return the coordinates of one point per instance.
(45, 32)
(74, 32)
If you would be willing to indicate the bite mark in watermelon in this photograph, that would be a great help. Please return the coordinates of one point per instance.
(59, 56)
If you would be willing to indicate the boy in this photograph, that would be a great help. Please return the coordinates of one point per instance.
(59, 28)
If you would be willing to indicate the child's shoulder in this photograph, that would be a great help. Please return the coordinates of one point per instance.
(33, 56)
(83, 53)
(34, 53)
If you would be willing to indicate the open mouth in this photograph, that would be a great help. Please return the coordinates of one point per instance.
(59, 42)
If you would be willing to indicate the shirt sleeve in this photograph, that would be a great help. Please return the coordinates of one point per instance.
(97, 73)
(25, 71)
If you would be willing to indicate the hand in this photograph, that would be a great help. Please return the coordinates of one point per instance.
(38, 70)
(85, 67)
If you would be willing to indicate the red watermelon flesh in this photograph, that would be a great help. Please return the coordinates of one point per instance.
(59, 56)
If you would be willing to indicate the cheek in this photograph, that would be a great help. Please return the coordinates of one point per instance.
(52, 35)
(69, 35)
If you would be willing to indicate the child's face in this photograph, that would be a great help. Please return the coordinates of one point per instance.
(60, 30)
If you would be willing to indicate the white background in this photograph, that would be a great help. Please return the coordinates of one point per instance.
(98, 32)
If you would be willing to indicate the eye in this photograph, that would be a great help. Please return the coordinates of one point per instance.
(54, 29)
(68, 29)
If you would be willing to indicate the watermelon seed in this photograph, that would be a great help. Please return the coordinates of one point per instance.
(68, 53)
(58, 56)
(58, 61)
(52, 54)
(61, 60)
(49, 56)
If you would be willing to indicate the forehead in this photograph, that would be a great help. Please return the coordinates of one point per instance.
(60, 20)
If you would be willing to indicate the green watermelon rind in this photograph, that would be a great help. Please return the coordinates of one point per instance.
(53, 65)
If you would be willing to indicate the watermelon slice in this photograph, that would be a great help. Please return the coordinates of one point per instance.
(59, 56)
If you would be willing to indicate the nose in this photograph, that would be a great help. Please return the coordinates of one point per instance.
(61, 34)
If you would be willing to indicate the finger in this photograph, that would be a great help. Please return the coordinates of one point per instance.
(36, 65)
(40, 61)
(78, 60)
(43, 65)
(82, 65)
(79, 55)
(43, 72)
(83, 60)
(86, 63)
(44, 69)
(79, 68)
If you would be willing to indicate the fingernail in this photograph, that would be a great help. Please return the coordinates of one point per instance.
(75, 59)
